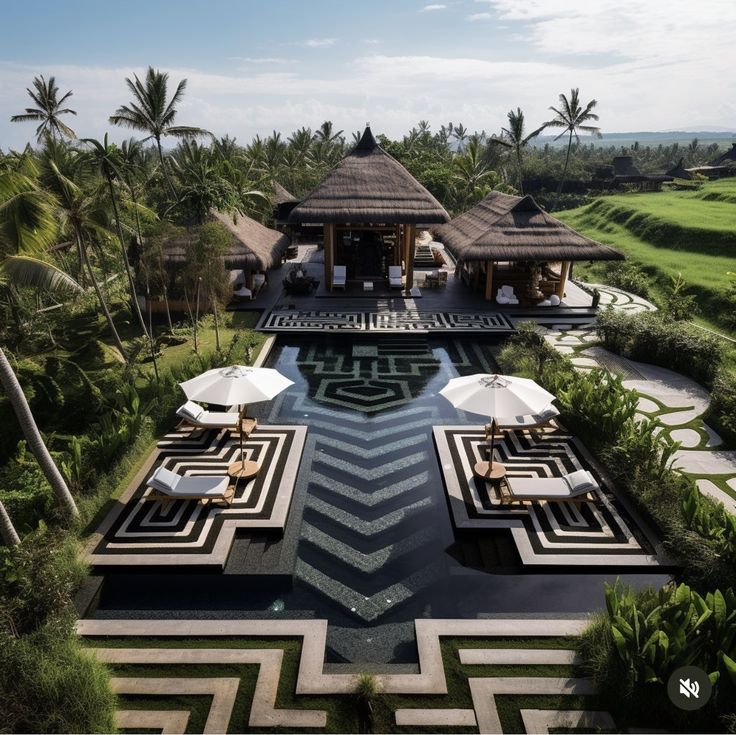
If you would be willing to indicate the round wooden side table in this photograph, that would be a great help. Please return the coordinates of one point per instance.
(243, 470)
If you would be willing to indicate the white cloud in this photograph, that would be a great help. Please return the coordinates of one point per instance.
(259, 59)
(319, 42)
(372, 41)
(433, 6)
(649, 68)
(478, 16)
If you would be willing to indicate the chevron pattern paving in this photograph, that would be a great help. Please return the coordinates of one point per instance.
(385, 320)
(597, 534)
(145, 532)
(375, 527)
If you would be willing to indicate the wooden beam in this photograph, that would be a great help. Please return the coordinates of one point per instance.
(564, 270)
(329, 247)
(490, 265)
(409, 234)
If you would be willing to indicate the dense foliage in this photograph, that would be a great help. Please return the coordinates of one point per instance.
(632, 649)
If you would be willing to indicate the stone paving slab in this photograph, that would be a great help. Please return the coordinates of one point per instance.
(701, 462)
(688, 438)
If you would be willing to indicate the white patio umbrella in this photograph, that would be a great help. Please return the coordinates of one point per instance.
(495, 396)
(236, 385)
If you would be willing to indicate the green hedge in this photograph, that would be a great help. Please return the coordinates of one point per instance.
(652, 338)
(721, 414)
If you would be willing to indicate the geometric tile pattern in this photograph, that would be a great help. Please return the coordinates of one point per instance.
(368, 539)
(386, 321)
(141, 531)
(312, 680)
(597, 533)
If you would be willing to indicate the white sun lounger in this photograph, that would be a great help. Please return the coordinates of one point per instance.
(394, 277)
(575, 487)
(192, 413)
(526, 422)
(169, 486)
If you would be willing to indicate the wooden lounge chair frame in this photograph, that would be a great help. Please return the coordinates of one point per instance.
(165, 499)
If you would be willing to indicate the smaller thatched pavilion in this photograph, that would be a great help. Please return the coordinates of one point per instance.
(369, 206)
(511, 240)
(679, 171)
(253, 249)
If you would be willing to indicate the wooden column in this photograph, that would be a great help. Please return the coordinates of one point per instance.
(409, 234)
(398, 246)
(490, 265)
(329, 238)
(564, 270)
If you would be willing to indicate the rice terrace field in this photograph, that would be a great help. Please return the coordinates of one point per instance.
(667, 233)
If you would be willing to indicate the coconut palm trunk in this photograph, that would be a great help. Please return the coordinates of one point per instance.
(101, 299)
(564, 169)
(167, 178)
(7, 530)
(33, 436)
(135, 305)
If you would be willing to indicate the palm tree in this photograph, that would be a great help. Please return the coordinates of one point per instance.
(573, 117)
(152, 113)
(22, 410)
(7, 530)
(106, 158)
(513, 138)
(48, 109)
(76, 211)
(460, 133)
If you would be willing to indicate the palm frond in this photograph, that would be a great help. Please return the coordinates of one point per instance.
(21, 270)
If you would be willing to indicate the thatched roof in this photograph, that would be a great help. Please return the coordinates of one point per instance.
(503, 227)
(369, 186)
(725, 158)
(679, 171)
(254, 247)
(282, 195)
(624, 166)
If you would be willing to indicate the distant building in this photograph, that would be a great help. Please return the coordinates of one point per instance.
(623, 172)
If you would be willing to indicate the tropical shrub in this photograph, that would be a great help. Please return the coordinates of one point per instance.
(652, 338)
(634, 646)
(721, 413)
(679, 305)
(628, 276)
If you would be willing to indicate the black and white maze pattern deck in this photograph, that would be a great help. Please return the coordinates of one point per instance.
(386, 321)
(144, 532)
(600, 533)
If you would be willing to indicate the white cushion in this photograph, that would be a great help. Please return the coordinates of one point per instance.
(259, 278)
(300, 274)
(580, 481)
(554, 300)
(163, 480)
(549, 412)
(246, 292)
(190, 410)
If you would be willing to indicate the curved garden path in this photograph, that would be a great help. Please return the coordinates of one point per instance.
(677, 401)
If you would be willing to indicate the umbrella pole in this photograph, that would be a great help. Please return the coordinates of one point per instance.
(240, 421)
(493, 437)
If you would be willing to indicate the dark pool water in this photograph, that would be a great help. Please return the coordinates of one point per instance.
(377, 547)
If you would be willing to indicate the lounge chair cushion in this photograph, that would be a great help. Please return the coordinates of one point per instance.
(580, 481)
(190, 410)
(180, 486)
(164, 480)
(552, 488)
(218, 419)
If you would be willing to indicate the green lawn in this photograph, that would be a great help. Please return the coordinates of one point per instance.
(688, 232)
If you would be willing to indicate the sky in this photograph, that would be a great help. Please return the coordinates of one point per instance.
(254, 67)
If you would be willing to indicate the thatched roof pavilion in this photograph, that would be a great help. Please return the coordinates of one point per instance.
(282, 195)
(679, 171)
(253, 247)
(370, 189)
(512, 229)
